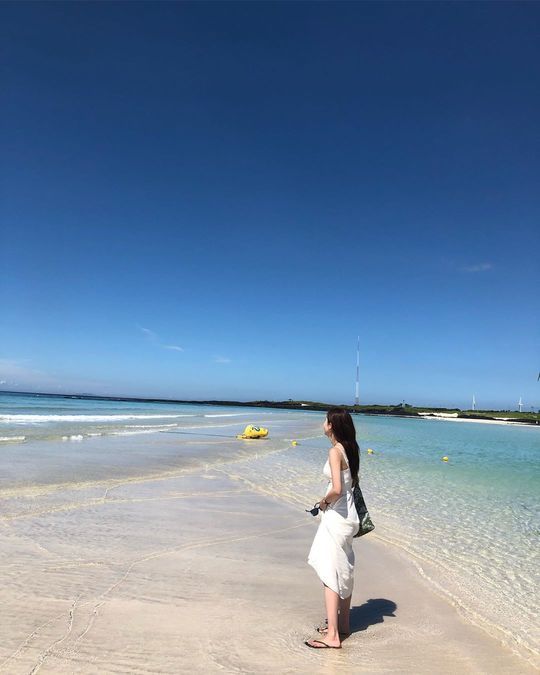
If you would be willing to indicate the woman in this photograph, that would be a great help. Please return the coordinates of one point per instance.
(332, 554)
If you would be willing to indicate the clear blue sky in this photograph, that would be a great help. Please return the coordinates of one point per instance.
(213, 200)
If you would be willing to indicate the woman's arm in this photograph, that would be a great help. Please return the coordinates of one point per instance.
(334, 457)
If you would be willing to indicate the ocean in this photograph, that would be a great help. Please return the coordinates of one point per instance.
(470, 525)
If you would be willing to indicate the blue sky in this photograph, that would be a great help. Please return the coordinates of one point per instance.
(213, 200)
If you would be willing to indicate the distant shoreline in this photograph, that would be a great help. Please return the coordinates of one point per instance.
(448, 414)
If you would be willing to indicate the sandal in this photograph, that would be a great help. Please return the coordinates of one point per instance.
(322, 644)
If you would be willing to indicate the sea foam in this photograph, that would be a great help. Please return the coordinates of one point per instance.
(24, 419)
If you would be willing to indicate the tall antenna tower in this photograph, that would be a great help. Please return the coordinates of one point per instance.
(357, 391)
(473, 402)
(520, 404)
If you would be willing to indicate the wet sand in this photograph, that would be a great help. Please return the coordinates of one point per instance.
(201, 572)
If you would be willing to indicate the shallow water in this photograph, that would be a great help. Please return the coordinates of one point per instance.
(471, 523)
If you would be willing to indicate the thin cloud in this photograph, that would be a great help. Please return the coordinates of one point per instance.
(148, 333)
(221, 359)
(154, 339)
(480, 267)
(174, 348)
(15, 371)
(20, 373)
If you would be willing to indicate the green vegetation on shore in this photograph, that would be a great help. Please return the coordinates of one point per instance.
(401, 410)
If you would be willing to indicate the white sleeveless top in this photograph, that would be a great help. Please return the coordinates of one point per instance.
(344, 505)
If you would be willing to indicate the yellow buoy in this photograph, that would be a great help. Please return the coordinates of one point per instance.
(369, 451)
(252, 431)
(444, 459)
(295, 443)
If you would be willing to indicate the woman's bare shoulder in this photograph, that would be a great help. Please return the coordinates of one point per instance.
(335, 451)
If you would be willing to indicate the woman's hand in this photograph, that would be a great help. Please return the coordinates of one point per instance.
(323, 504)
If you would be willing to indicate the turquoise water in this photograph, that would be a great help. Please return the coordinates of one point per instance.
(475, 519)
(471, 524)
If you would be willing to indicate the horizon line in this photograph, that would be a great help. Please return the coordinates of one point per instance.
(225, 401)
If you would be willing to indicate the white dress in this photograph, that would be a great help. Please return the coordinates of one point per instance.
(331, 553)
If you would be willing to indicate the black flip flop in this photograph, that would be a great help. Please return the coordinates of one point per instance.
(320, 642)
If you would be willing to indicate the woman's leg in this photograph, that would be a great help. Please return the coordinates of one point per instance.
(344, 626)
(331, 600)
(344, 614)
(331, 636)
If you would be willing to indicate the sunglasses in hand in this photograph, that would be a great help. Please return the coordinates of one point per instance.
(315, 510)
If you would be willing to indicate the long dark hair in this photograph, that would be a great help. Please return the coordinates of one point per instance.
(344, 432)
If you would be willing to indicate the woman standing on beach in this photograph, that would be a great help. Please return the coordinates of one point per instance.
(331, 554)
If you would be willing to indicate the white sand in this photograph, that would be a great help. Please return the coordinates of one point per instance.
(452, 417)
(198, 573)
